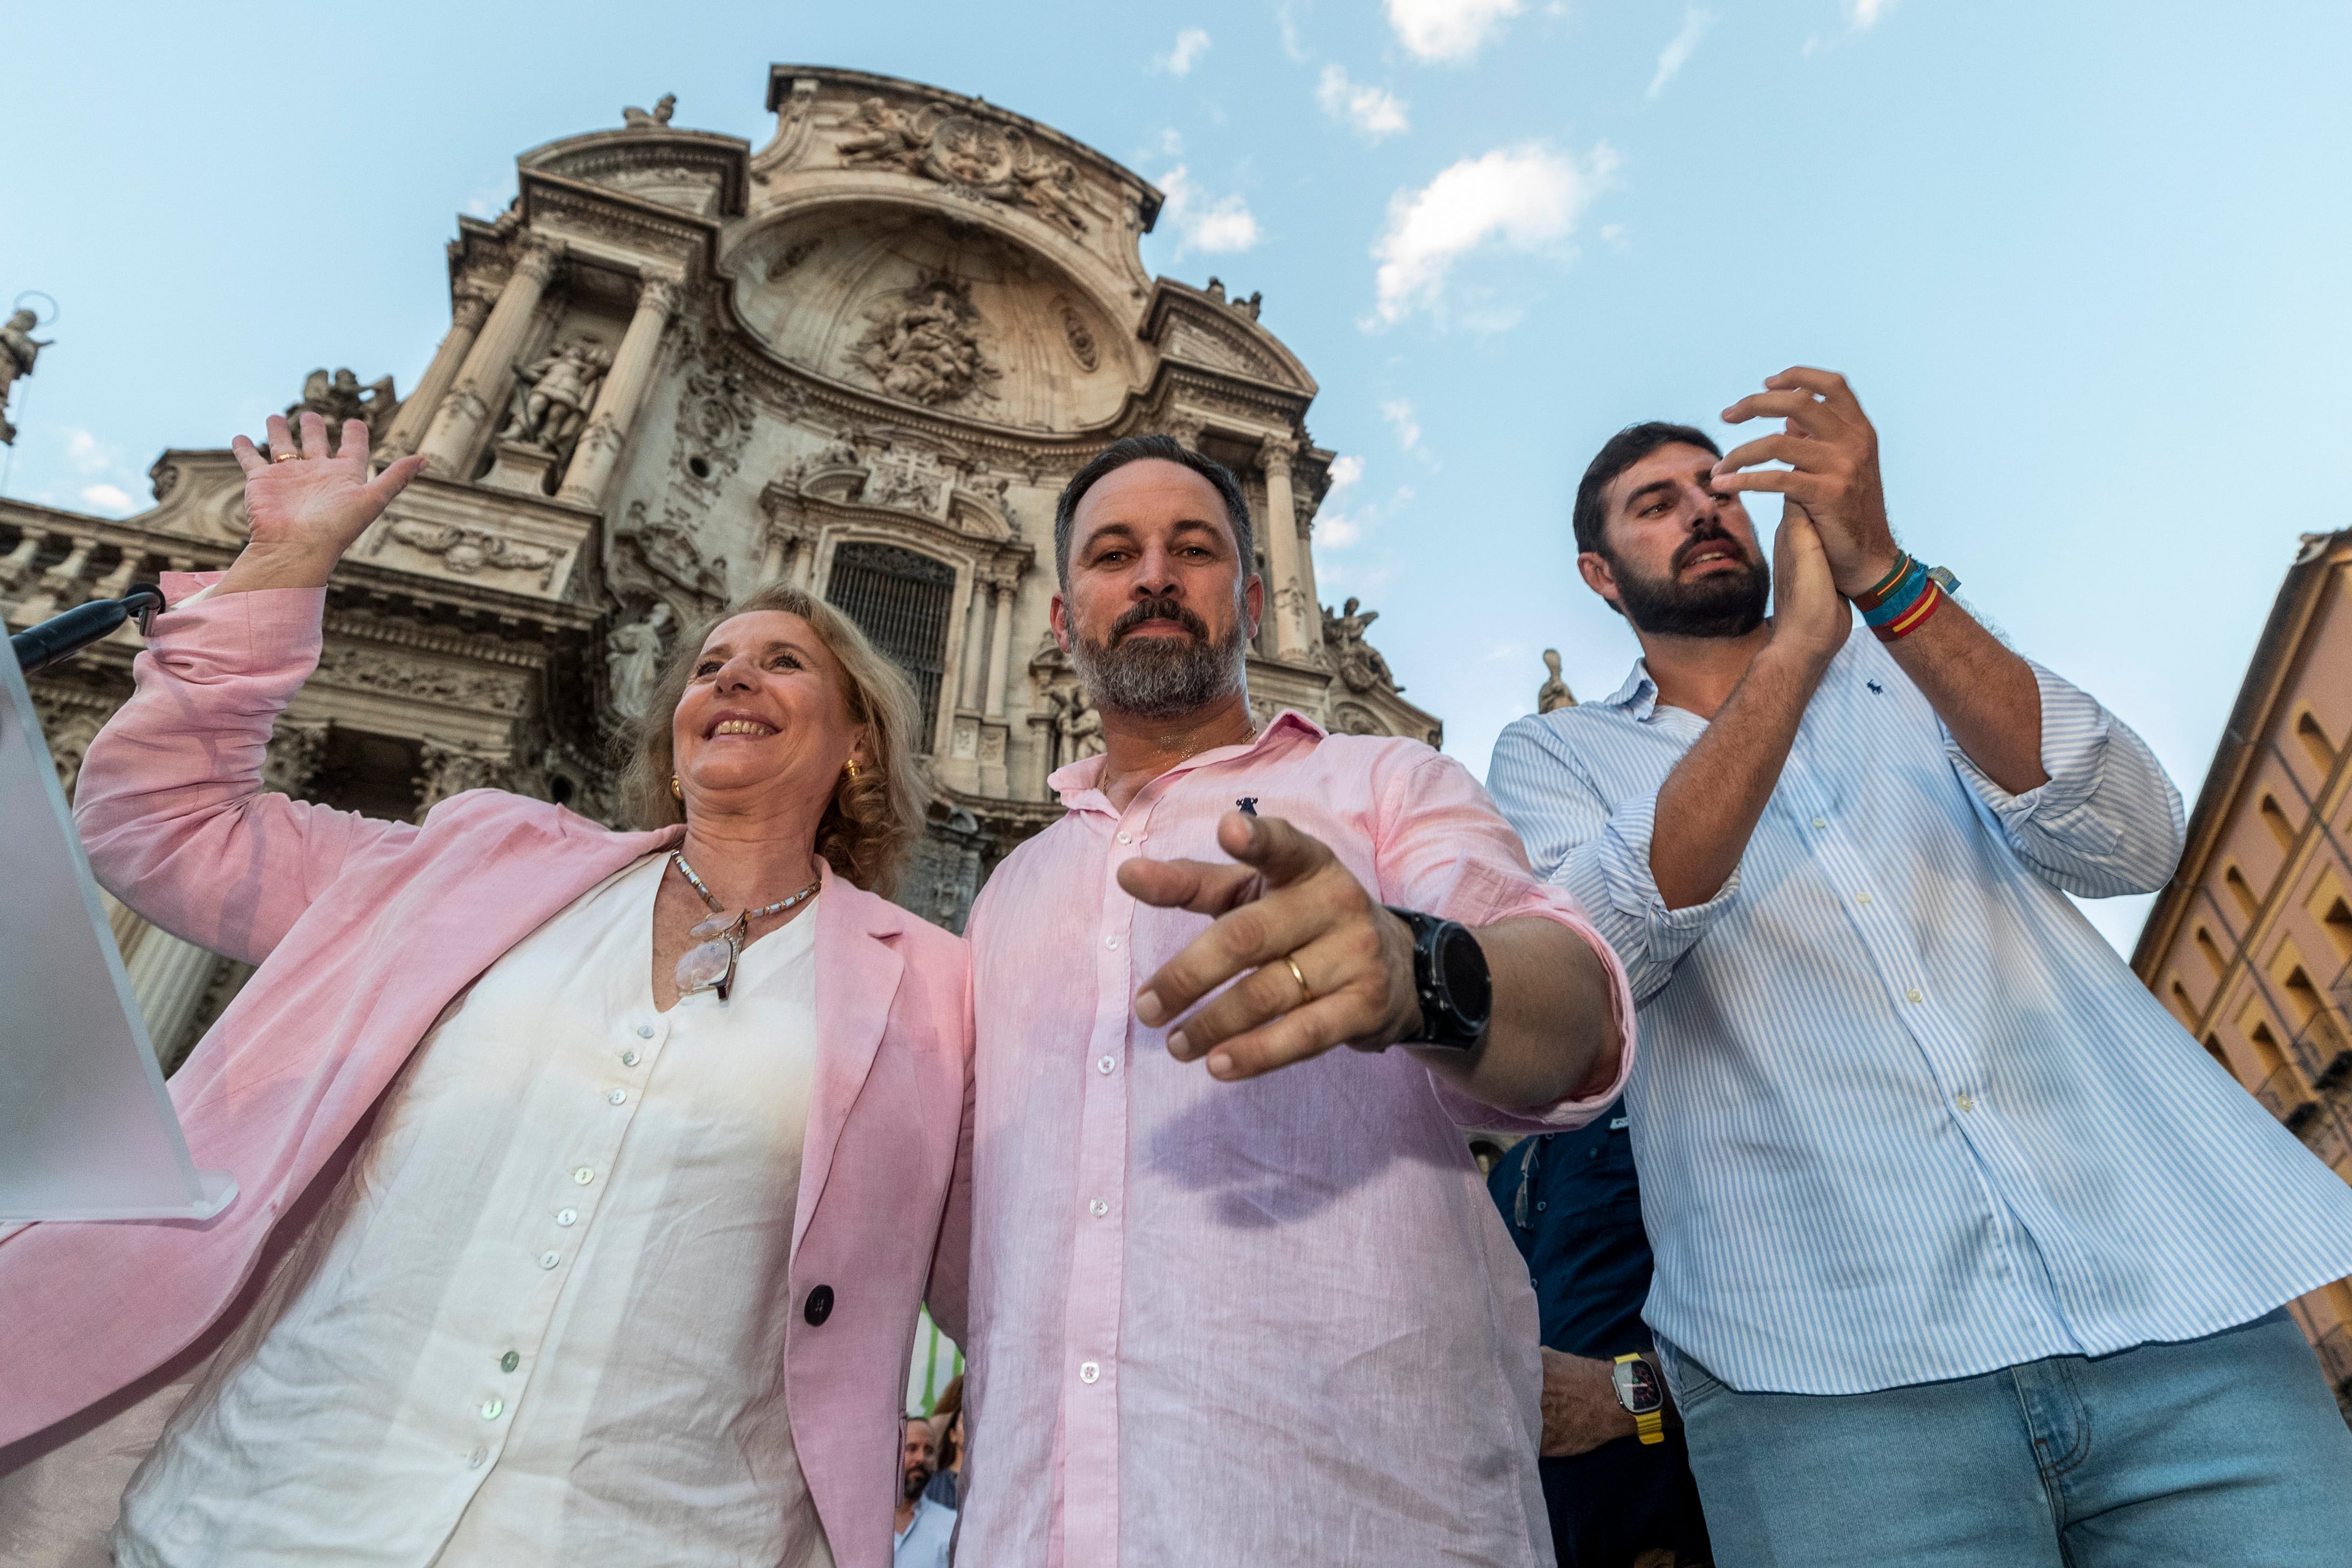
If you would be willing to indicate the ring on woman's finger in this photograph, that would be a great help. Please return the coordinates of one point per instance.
(1306, 992)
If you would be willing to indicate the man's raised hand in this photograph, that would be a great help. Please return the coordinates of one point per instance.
(1833, 456)
(1287, 899)
(306, 509)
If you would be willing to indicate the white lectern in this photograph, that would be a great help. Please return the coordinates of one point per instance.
(87, 1129)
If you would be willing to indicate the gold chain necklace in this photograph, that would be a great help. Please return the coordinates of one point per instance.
(710, 964)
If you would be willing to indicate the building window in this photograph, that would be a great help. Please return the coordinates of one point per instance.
(2213, 954)
(2235, 881)
(2316, 742)
(901, 600)
(2275, 820)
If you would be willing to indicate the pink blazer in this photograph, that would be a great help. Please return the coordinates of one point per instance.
(364, 930)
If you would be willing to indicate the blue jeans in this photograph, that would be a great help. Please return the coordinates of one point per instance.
(2213, 1452)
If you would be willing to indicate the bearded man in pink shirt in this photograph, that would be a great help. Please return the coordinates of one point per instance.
(1199, 1231)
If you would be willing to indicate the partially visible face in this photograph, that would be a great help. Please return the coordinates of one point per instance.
(764, 710)
(1160, 603)
(915, 1458)
(1680, 556)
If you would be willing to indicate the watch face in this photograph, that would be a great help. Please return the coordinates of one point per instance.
(1469, 986)
(1638, 1388)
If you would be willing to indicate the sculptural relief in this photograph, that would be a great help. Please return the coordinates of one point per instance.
(452, 767)
(468, 550)
(668, 550)
(924, 346)
(715, 418)
(375, 670)
(969, 155)
(18, 350)
(1354, 718)
(552, 396)
(338, 397)
(638, 119)
(1554, 693)
(292, 758)
(1081, 341)
(1359, 664)
(633, 656)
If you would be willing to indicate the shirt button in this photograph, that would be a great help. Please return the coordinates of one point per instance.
(645, 1031)
(550, 1259)
(1966, 1104)
(618, 1096)
(1111, 941)
(584, 1175)
(1861, 898)
(1098, 1208)
(493, 1407)
(1821, 821)
(1125, 838)
(508, 1362)
(1104, 1063)
(628, 1059)
(567, 1217)
(1913, 995)
(1088, 1370)
(1542, 1206)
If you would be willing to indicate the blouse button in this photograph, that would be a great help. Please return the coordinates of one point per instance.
(629, 1059)
(493, 1407)
(584, 1175)
(618, 1096)
(550, 1259)
(567, 1217)
(508, 1362)
(645, 1031)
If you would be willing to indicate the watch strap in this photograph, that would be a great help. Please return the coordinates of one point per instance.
(1650, 1426)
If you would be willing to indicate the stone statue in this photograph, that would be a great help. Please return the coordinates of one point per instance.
(841, 452)
(879, 134)
(340, 397)
(1553, 693)
(1048, 187)
(1359, 663)
(633, 656)
(552, 398)
(18, 350)
(1077, 726)
(638, 119)
(922, 348)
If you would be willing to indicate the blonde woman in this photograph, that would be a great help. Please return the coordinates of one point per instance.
(590, 1180)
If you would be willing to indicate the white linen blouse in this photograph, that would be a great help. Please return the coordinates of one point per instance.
(548, 1328)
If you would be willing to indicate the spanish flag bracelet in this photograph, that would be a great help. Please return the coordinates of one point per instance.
(1900, 603)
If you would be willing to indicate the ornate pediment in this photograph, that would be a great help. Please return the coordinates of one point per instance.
(697, 172)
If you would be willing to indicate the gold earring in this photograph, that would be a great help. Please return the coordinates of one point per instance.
(676, 788)
(850, 767)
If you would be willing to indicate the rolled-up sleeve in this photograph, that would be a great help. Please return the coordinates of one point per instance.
(1600, 855)
(2107, 821)
(1442, 846)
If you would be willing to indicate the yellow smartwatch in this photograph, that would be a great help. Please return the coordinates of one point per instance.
(1640, 1390)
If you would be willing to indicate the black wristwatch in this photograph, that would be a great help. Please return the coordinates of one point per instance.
(1449, 975)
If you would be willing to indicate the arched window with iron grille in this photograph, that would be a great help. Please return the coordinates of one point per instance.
(901, 600)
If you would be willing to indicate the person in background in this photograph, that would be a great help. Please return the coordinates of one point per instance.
(922, 1529)
(1966, 1251)
(1616, 1474)
(946, 1428)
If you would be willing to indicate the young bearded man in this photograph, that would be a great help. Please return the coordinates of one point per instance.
(1965, 1251)
(1198, 1230)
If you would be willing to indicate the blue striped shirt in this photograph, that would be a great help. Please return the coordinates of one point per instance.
(1901, 1113)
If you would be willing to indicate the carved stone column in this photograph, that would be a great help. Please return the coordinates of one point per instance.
(971, 670)
(468, 311)
(449, 439)
(1000, 647)
(617, 399)
(61, 585)
(169, 976)
(1289, 594)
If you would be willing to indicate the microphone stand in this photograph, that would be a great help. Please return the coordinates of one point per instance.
(63, 636)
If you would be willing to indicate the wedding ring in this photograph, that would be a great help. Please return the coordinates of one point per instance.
(284, 456)
(1306, 992)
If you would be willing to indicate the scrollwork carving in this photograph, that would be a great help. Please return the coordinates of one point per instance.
(375, 670)
(470, 550)
(970, 156)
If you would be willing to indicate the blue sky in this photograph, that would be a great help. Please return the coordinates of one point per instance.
(2082, 263)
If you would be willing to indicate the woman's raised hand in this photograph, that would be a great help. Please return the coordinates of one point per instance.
(306, 508)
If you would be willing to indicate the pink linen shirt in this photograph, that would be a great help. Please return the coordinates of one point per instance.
(1271, 1321)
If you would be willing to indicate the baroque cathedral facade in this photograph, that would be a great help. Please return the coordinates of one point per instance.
(864, 358)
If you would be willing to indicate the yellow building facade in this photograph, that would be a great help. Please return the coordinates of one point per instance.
(2250, 943)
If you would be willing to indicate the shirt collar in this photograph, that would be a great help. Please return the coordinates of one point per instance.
(1639, 695)
(1083, 778)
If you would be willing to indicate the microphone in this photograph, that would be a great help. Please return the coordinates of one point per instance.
(63, 636)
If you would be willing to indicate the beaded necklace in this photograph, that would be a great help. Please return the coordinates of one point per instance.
(709, 964)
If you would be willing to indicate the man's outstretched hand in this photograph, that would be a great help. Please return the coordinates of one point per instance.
(1832, 474)
(1288, 898)
(306, 510)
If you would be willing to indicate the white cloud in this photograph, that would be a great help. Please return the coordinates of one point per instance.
(1453, 29)
(1525, 197)
(1372, 111)
(107, 497)
(1678, 50)
(1294, 43)
(1190, 45)
(1345, 471)
(1219, 226)
(1864, 14)
(1397, 412)
(1335, 529)
(85, 453)
(1172, 143)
